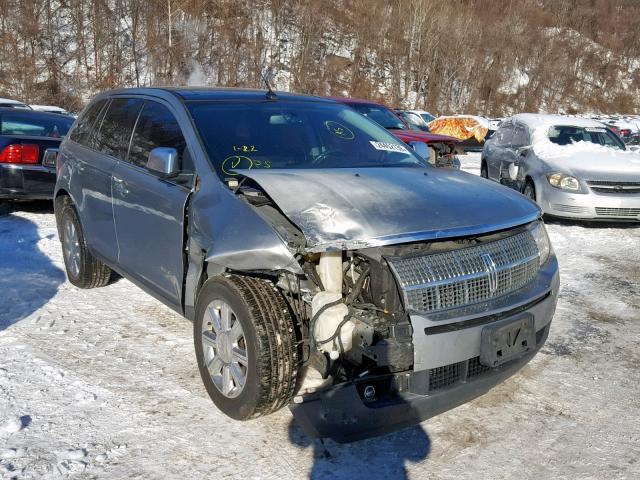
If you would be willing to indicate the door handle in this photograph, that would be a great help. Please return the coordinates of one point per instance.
(120, 185)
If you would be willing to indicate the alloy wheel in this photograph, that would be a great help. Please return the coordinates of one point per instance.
(71, 247)
(224, 347)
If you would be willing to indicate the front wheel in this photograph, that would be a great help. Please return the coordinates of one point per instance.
(246, 346)
(5, 207)
(484, 173)
(529, 191)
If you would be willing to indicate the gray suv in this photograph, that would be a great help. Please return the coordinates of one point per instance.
(324, 264)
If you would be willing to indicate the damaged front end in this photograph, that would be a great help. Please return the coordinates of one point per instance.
(390, 303)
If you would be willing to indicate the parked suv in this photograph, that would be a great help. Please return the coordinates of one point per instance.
(324, 264)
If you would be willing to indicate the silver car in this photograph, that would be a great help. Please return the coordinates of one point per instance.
(571, 167)
(324, 264)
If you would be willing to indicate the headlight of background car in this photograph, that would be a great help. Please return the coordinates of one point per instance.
(539, 233)
(565, 182)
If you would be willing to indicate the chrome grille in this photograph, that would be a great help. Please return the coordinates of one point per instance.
(456, 278)
(618, 212)
(617, 188)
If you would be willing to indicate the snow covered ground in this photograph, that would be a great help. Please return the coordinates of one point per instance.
(103, 384)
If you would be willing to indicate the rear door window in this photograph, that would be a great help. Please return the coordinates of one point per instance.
(117, 126)
(157, 127)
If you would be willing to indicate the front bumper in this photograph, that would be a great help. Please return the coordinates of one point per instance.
(589, 206)
(27, 182)
(447, 371)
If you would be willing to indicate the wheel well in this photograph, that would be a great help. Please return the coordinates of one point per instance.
(62, 199)
(528, 179)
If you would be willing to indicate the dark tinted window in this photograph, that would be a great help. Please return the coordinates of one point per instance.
(34, 124)
(85, 123)
(115, 131)
(157, 127)
(520, 137)
(380, 115)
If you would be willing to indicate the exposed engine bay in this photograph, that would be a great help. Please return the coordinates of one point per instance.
(347, 304)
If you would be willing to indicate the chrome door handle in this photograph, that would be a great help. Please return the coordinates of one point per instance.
(120, 185)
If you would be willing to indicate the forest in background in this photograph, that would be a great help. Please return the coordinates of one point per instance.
(490, 57)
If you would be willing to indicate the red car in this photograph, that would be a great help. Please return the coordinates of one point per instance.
(440, 149)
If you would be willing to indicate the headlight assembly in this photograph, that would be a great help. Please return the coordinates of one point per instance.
(539, 233)
(564, 182)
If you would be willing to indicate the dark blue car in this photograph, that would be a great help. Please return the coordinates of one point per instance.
(28, 144)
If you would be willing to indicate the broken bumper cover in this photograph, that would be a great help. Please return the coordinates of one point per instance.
(341, 414)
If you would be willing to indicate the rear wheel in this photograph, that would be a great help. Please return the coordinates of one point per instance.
(83, 269)
(5, 207)
(484, 173)
(246, 346)
(529, 190)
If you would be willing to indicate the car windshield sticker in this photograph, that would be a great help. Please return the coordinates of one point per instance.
(389, 147)
(239, 162)
(595, 130)
(236, 162)
(339, 130)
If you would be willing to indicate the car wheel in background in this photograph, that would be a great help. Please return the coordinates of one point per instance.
(83, 269)
(5, 207)
(246, 346)
(484, 173)
(529, 190)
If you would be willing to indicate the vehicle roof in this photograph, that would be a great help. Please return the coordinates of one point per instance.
(534, 120)
(355, 100)
(11, 101)
(26, 112)
(214, 93)
(51, 108)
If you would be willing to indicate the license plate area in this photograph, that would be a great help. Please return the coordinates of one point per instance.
(507, 340)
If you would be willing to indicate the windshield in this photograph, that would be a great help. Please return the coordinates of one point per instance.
(34, 125)
(427, 117)
(565, 135)
(379, 114)
(292, 135)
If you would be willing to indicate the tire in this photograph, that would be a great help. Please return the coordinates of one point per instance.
(529, 190)
(484, 173)
(268, 346)
(5, 207)
(83, 269)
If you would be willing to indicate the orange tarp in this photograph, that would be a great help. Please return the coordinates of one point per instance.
(461, 128)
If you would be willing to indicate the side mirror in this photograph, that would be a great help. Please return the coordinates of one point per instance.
(421, 149)
(163, 160)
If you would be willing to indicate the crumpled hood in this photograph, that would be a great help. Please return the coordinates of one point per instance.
(420, 136)
(347, 208)
(600, 164)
